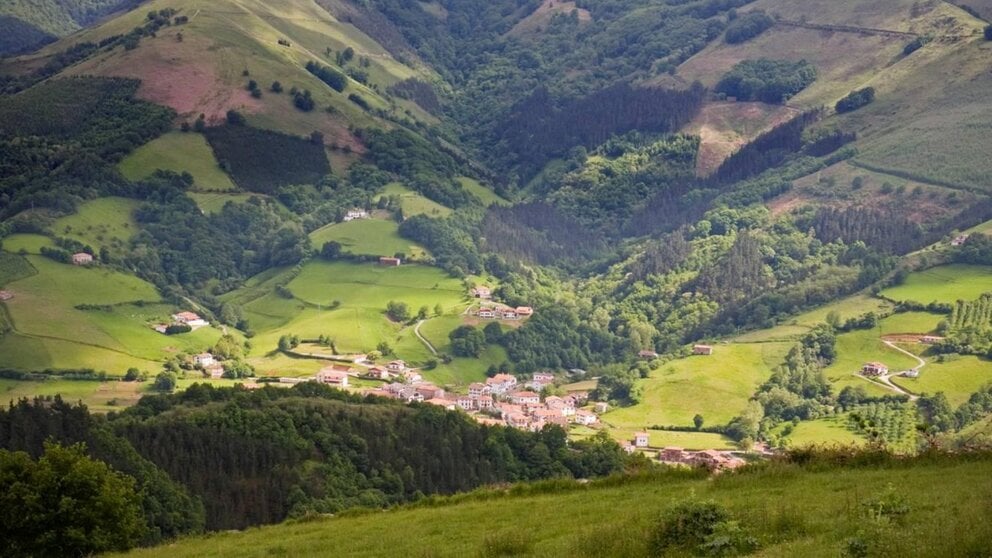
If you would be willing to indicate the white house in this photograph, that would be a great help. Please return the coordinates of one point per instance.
(525, 398)
(477, 389)
(585, 418)
(396, 366)
(641, 439)
(332, 377)
(204, 360)
(82, 258)
(356, 214)
(501, 383)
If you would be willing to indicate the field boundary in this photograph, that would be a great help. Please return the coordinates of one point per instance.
(847, 29)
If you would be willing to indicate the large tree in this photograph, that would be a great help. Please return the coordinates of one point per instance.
(65, 504)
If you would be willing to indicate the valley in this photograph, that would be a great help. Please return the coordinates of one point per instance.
(280, 260)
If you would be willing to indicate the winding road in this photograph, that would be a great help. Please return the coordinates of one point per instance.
(885, 378)
(416, 331)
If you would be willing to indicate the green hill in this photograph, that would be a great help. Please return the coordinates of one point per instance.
(896, 509)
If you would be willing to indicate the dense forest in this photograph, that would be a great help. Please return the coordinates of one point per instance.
(228, 458)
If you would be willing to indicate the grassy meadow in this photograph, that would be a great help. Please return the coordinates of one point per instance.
(415, 203)
(483, 194)
(179, 152)
(50, 331)
(26, 243)
(791, 511)
(717, 386)
(358, 322)
(946, 283)
(101, 222)
(371, 237)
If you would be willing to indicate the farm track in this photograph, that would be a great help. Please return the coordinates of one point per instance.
(416, 331)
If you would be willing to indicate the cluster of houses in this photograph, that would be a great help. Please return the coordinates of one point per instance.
(711, 459)
(500, 400)
(82, 258)
(500, 312)
(211, 367)
(191, 319)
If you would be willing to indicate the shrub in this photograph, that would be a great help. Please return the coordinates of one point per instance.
(358, 100)
(748, 26)
(687, 526)
(276, 87)
(771, 81)
(855, 100)
(915, 45)
(728, 539)
(333, 78)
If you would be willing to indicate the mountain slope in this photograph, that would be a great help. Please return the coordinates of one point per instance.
(790, 510)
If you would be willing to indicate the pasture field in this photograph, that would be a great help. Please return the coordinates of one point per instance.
(684, 440)
(50, 331)
(415, 203)
(14, 267)
(358, 323)
(459, 370)
(717, 387)
(849, 307)
(909, 322)
(203, 72)
(179, 152)
(958, 378)
(27, 243)
(101, 222)
(946, 283)
(484, 195)
(368, 237)
(792, 510)
(856, 348)
(828, 430)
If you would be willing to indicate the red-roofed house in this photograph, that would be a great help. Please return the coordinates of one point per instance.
(387, 261)
(702, 350)
(524, 311)
(396, 366)
(487, 313)
(874, 369)
(82, 258)
(333, 377)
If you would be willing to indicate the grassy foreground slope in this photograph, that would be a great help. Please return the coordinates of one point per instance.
(790, 510)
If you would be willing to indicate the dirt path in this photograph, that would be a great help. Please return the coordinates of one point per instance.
(886, 380)
(416, 331)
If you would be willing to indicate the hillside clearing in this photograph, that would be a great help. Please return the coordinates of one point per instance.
(368, 237)
(946, 283)
(716, 386)
(103, 222)
(178, 152)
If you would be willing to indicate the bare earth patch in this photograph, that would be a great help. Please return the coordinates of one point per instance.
(724, 127)
(543, 14)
